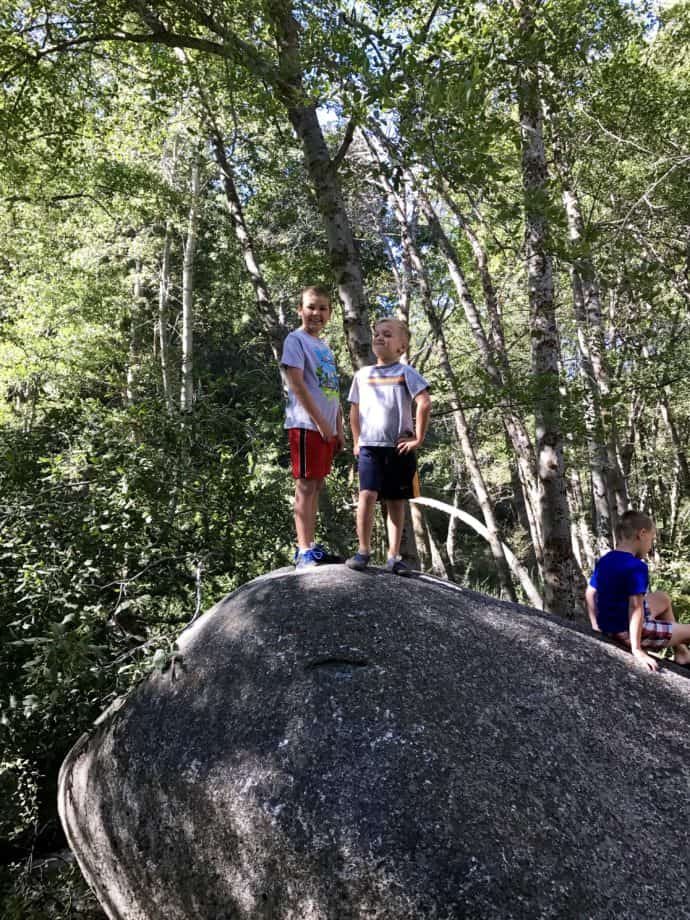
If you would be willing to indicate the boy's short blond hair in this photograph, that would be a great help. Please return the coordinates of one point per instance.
(399, 324)
(319, 289)
(631, 522)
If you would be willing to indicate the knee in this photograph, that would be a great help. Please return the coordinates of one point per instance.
(307, 487)
(664, 600)
(660, 606)
(367, 498)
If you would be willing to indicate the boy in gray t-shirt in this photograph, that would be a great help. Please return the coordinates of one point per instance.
(313, 417)
(381, 400)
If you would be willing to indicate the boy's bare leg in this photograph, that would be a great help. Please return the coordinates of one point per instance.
(306, 506)
(660, 607)
(366, 509)
(395, 509)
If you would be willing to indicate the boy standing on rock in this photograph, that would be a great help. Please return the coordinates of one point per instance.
(381, 399)
(618, 602)
(313, 417)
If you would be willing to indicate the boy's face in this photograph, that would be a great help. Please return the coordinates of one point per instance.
(389, 342)
(314, 311)
(646, 540)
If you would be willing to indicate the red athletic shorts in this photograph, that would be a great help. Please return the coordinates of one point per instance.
(311, 456)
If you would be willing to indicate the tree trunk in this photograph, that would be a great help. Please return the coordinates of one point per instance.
(563, 581)
(408, 545)
(678, 446)
(187, 374)
(460, 422)
(440, 566)
(136, 336)
(607, 475)
(322, 169)
(578, 514)
(421, 538)
(268, 316)
(164, 320)
(520, 572)
(452, 535)
(401, 273)
(498, 371)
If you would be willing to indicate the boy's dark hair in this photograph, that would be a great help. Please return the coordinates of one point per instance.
(631, 522)
(319, 289)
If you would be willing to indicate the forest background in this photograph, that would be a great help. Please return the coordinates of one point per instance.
(510, 177)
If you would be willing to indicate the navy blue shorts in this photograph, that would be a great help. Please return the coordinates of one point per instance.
(384, 470)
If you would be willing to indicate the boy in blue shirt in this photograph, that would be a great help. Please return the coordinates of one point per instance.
(381, 400)
(618, 601)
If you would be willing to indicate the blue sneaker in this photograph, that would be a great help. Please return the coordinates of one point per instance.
(326, 557)
(359, 561)
(396, 566)
(308, 557)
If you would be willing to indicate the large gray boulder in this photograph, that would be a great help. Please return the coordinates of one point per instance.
(342, 745)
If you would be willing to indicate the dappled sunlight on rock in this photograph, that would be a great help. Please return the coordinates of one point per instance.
(338, 744)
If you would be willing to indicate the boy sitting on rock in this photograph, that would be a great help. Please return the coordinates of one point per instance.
(619, 605)
(381, 400)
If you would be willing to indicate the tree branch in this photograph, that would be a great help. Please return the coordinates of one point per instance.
(345, 146)
(231, 47)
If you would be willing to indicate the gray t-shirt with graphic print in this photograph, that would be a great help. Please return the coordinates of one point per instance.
(384, 394)
(316, 359)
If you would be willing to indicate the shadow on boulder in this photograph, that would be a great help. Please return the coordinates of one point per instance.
(346, 745)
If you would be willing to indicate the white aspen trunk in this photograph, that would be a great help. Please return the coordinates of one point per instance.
(438, 563)
(269, 318)
(678, 446)
(563, 581)
(453, 528)
(598, 455)
(421, 538)
(461, 427)
(520, 572)
(574, 538)
(499, 375)
(498, 368)
(164, 320)
(136, 337)
(187, 373)
(490, 297)
(408, 545)
(405, 278)
(588, 314)
(587, 556)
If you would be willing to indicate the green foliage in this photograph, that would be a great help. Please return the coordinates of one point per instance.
(120, 519)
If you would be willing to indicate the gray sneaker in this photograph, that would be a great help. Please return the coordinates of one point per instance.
(398, 567)
(359, 561)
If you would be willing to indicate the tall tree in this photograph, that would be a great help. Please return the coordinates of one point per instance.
(561, 572)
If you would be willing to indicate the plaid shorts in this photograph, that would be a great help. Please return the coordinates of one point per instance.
(656, 634)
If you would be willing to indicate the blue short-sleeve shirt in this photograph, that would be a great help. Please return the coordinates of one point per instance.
(617, 576)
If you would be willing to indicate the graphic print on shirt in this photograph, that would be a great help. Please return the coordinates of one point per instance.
(376, 381)
(326, 372)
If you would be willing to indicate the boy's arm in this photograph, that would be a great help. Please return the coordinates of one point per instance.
(636, 619)
(295, 379)
(423, 404)
(355, 427)
(591, 601)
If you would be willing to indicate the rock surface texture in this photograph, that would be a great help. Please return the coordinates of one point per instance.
(338, 745)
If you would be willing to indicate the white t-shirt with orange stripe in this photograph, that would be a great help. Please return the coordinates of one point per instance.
(384, 394)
